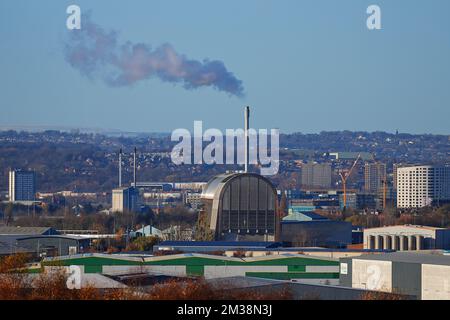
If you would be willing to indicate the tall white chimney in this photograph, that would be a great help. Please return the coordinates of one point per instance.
(134, 167)
(120, 168)
(246, 125)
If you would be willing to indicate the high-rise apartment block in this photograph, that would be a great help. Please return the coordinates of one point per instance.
(316, 175)
(374, 175)
(22, 185)
(420, 186)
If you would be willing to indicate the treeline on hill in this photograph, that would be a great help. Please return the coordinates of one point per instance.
(59, 166)
(89, 218)
(88, 168)
(427, 216)
(88, 162)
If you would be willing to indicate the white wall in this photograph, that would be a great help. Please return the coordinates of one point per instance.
(372, 275)
(167, 270)
(435, 282)
(232, 271)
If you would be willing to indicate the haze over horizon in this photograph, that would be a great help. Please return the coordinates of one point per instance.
(303, 66)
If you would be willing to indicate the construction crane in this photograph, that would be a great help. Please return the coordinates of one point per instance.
(345, 175)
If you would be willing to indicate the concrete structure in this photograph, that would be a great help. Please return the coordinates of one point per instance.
(125, 199)
(22, 186)
(424, 275)
(374, 175)
(407, 238)
(316, 175)
(420, 186)
(240, 206)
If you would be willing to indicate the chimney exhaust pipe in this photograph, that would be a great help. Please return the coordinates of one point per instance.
(246, 124)
(120, 168)
(134, 167)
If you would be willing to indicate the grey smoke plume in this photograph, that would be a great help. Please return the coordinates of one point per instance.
(96, 52)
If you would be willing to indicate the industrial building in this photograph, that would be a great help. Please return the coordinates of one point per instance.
(421, 186)
(424, 275)
(256, 249)
(56, 245)
(240, 206)
(282, 267)
(22, 186)
(299, 290)
(243, 247)
(26, 231)
(8, 248)
(125, 199)
(310, 229)
(40, 241)
(407, 238)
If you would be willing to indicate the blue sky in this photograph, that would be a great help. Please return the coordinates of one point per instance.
(306, 66)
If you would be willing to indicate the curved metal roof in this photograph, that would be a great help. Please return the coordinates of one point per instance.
(217, 183)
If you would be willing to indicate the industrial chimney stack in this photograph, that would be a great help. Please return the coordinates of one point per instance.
(246, 133)
(120, 168)
(134, 167)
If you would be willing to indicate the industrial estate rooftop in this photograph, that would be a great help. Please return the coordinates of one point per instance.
(431, 257)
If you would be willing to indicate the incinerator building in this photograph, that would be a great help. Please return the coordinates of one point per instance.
(240, 206)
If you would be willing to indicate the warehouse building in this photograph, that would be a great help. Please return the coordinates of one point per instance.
(309, 229)
(216, 246)
(56, 245)
(281, 267)
(424, 275)
(240, 207)
(407, 238)
(9, 248)
(6, 231)
(255, 249)
(40, 241)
